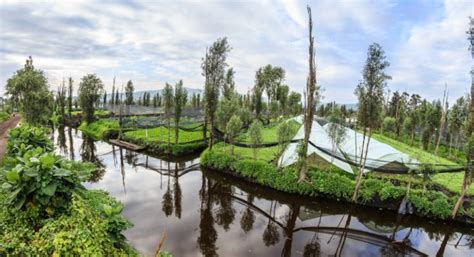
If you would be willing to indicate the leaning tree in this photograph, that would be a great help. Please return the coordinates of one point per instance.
(370, 93)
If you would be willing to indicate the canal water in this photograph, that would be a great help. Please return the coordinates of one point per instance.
(204, 213)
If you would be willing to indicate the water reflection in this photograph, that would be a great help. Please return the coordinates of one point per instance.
(210, 214)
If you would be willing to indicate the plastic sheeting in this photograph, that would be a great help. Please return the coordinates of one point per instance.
(379, 154)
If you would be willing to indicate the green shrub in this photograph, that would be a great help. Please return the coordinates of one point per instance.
(4, 116)
(217, 160)
(85, 229)
(431, 203)
(332, 184)
(25, 138)
(41, 180)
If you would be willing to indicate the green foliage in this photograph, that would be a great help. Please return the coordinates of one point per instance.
(100, 128)
(389, 124)
(90, 89)
(25, 138)
(180, 100)
(41, 180)
(4, 116)
(91, 226)
(129, 93)
(233, 127)
(371, 188)
(29, 88)
(217, 160)
(255, 133)
(431, 203)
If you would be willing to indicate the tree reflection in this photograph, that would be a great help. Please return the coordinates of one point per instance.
(62, 140)
(71, 143)
(177, 193)
(289, 229)
(131, 158)
(248, 218)
(312, 248)
(167, 202)
(207, 233)
(225, 213)
(88, 153)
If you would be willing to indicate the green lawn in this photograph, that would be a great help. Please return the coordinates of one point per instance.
(97, 112)
(452, 181)
(160, 134)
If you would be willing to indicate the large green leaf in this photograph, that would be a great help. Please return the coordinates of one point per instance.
(47, 161)
(12, 176)
(31, 172)
(60, 172)
(50, 189)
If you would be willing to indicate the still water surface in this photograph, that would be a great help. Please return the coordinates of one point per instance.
(205, 213)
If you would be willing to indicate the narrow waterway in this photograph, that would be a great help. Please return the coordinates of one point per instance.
(205, 213)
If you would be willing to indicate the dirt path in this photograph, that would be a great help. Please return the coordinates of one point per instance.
(4, 126)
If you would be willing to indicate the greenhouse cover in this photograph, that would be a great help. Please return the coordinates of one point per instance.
(349, 150)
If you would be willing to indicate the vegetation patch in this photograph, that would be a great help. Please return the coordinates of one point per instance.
(99, 129)
(332, 184)
(45, 209)
(450, 181)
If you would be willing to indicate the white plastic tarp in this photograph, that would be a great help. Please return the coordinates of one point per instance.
(379, 154)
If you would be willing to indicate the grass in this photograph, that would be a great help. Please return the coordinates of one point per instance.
(267, 154)
(97, 129)
(451, 181)
(160, 135)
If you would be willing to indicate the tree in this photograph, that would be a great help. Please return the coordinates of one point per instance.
(112, 100)
(282, 97)
(117, 99)
(228, 89)
(469, 131)
(443, 119)
(226, 108)
(255, 132)
(168, 104)
(105, 98)
(414, 115)
(213, 69)
(129, 93)
(294, 103)
(370, 93)
(90, 90)
(29, 88)
(456, 119)
(180, 100)
(267, 79)
(69, 98)
(312, 95)
(233, 127)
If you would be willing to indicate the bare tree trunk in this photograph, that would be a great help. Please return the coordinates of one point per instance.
(443, 121)
(310, 101)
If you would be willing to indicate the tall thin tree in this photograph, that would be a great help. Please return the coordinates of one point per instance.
(312, 93)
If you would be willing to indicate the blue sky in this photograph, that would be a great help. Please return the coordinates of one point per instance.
(153, 42)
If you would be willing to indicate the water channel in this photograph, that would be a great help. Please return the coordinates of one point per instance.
(205, 213)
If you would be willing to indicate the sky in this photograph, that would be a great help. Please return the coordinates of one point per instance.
(154, 42)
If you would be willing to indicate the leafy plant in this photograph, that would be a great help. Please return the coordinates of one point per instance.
(42, 180)
(25, 138)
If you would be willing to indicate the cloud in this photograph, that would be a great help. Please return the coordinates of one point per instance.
(164, 41)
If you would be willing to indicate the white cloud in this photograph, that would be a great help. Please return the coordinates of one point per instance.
(157, 42)
(436, 53)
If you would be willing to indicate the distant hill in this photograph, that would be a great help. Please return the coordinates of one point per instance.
(139, 94)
